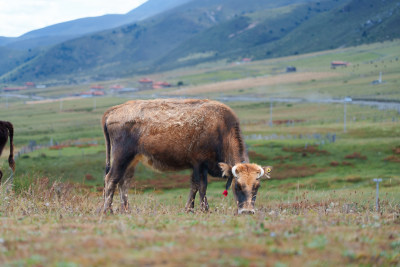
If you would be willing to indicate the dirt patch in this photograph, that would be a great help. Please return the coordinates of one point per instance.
(284, 171)
(282, 158)
(344, 163)
(355, 155)
(279, 122)
(256, 156)
(305, 150)
(392, 158)
(254, 82)
(396, 150)
(45, 101)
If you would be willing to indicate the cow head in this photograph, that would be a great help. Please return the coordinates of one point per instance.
(246, 181)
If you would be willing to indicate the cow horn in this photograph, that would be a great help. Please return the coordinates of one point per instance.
(234, 171)
(261, 174)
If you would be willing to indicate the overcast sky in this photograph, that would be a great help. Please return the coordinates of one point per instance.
(20, 16)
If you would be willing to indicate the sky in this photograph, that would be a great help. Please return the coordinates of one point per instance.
(20, 16)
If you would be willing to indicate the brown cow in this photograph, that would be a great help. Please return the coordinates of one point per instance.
(173, 134)
(7, 129)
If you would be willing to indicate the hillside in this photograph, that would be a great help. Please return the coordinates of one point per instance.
(60, 32)
(200, 31)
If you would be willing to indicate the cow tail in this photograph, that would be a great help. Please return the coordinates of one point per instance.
(108, 145)
(11, 161)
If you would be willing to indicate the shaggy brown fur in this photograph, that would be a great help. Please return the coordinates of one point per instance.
(169, 135)
(6, 130)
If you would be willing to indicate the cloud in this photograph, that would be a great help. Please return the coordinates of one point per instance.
(20, 16)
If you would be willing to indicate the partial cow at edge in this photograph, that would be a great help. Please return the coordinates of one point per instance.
(7, 130)
(174, 134)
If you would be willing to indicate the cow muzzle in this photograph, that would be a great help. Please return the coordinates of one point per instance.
(246, 211)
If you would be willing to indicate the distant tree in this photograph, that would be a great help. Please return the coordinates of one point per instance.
(179, 84)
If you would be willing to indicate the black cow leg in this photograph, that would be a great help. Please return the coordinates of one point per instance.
(113, 178)
(195, 184)
(124, 186)
(203, 189)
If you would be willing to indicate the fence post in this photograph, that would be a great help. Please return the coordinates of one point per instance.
(377, 181)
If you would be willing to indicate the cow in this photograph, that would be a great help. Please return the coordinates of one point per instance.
(7, 129)
(178, 134)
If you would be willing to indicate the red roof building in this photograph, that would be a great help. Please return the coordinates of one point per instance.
(160, 85)
(117, 87)
(30, 84)
(145, 80)
(96, 86)
(339, 63)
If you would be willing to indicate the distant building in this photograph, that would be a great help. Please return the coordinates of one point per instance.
(117, 87)
(30, 84)
(145, 83)
(290, 69)
(246, 59)
(160, 85)
(91, 93)
(97, 87)
(335, 64)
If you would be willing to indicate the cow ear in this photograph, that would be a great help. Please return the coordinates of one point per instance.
(267, 171)
(226, 169)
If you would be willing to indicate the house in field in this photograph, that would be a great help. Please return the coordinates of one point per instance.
(160, 85)
(291, 69)
(96, 87)
(116, 88)
(93, 92)
(30, 84)
(337, 63)
(145, 84)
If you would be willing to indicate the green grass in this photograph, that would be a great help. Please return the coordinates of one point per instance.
(318, 207)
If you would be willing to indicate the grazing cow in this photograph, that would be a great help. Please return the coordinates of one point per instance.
(7, 129)
(172, 134)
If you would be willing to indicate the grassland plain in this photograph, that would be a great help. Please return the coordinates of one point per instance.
(318, 208)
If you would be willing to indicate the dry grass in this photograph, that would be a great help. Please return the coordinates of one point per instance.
(57, 225)
(254, 82)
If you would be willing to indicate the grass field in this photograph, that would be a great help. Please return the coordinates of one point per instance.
(318, 208)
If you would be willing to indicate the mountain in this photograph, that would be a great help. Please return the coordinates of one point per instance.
(60, 32)
(209, 30)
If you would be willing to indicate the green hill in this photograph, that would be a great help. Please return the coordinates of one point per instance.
(212, 30)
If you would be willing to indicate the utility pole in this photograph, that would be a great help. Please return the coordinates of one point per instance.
(346, 99)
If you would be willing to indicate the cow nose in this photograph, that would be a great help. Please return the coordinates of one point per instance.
(246, 211)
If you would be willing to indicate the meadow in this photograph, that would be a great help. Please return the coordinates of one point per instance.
(318, 207)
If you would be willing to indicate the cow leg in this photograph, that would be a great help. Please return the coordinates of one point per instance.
(114, 177)
(124, 185)
(203, 189)
(194, 187)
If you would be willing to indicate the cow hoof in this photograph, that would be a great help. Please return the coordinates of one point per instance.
(189, 210)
